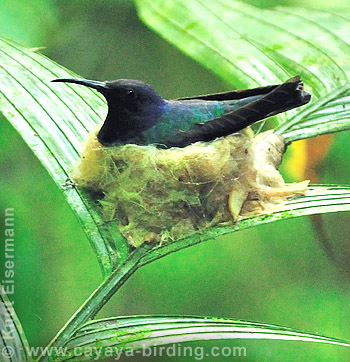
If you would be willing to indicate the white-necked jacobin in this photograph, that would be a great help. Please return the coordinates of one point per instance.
(138, 114)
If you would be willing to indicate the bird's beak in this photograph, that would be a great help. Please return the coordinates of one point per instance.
(100, 86)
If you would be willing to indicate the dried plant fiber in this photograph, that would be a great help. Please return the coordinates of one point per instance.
(160, 195)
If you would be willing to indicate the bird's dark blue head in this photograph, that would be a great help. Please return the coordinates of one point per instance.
(133, 107)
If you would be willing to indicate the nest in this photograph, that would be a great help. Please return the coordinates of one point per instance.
(162, 195)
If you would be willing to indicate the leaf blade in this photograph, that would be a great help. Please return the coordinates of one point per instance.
(320, 199)
(13, 341)
(258, 46)
(139, 332)
(54, 122)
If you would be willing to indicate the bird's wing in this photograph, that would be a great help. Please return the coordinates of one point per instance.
(232, 95)
(279, 99)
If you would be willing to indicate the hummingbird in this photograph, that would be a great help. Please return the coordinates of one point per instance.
(137, 114)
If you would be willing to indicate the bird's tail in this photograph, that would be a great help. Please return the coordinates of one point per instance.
(297, 97)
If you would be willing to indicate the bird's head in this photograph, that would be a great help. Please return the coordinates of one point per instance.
(133, 107)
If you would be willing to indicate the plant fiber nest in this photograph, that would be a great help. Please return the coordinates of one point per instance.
(160, 195)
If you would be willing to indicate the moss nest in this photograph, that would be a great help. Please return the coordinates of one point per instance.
(163, 195)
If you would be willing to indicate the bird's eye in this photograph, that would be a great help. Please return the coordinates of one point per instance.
(129, 95)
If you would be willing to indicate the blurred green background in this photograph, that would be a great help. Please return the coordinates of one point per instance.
(276, 273)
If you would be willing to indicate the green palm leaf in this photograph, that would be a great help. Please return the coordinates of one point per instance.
(320, 199)
(328, 115)
(13, 342)
(54, 124)
(116, 335)
(248, 46)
